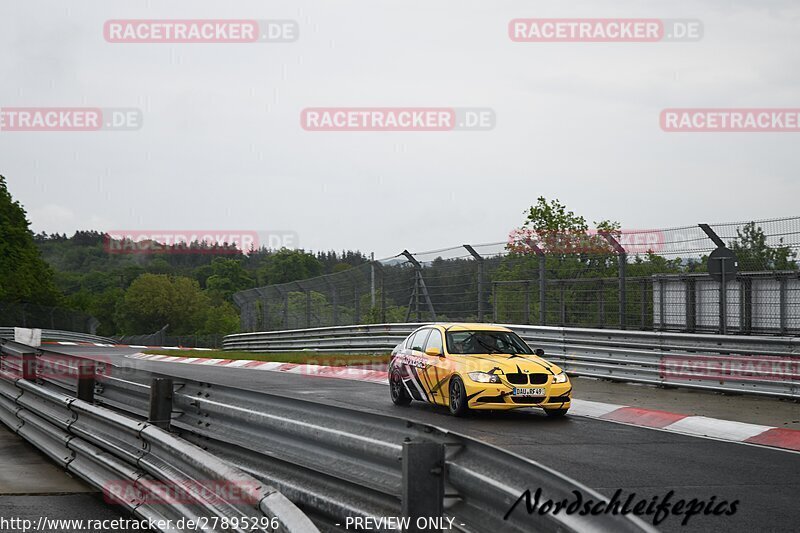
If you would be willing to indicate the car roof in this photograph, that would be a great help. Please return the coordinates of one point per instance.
(468, 326)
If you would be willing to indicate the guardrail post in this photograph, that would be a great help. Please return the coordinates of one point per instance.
(423, 483)
(29, 366)
(86, 377)
(160, 411)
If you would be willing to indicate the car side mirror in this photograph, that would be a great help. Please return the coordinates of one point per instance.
(539, 352)
(434, 352)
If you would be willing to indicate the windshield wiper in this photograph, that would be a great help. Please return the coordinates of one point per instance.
(485, 345)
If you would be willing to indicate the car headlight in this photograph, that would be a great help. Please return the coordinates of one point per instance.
(483, 377)
(560, 378)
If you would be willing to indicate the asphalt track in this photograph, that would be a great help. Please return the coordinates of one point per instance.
(603, 455)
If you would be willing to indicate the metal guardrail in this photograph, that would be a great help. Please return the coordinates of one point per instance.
(335, 463)
(58, 335)
(108, 450)
(742, 364)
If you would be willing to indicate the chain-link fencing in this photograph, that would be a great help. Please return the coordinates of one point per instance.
(28, 315)
(667, 279)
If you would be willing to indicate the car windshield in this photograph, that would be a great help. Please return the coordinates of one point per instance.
(478, 341)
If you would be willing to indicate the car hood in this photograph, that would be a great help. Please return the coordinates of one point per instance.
(508, 363)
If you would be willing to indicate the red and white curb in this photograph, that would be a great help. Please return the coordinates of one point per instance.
(138, 346)
(698, 426)
(371, 373)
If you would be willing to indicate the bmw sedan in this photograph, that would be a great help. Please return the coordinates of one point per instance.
(475, 366)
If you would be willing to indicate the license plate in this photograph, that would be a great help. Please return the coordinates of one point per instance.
(528, 392)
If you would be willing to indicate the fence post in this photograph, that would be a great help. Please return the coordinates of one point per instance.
(263, 293)
(542, 281)
(723, 301)
(423, 483)
(334, 301)
(285, 297)
(479, 260)
(644, 302)
(623, 295)
(691, 305)
(602, 304)
(419, 283)
(383, 299)
(308, 308)
(746, 299)
(494, 301)
(527, 311)
(783, 302)
(356, 305)
(622, 258)
(86, 377)
(160, 411)
(723, 285)
(372, 279)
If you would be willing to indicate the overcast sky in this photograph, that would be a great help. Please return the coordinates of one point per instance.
(221, 146)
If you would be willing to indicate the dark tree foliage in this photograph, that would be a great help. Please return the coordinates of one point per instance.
(24, 276)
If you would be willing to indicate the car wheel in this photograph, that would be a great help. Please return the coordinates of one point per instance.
(556, 413)
(397, 390)
(458, 397)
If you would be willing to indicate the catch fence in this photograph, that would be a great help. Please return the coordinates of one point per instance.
(666, 279)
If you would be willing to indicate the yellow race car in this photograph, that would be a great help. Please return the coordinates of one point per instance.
(475, 366)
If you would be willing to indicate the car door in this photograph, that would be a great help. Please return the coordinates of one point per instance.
(415, 362)
(437, 372)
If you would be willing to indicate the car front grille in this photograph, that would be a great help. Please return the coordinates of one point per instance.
(559, 399)
(524, 379)
(527, 400)
(517, 379)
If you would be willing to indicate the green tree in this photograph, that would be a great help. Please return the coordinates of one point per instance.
(154, 300)
(571, 252)
(289, 265)
(553, 216)
(227, 277)
(24, 275)
(222, 319)
(754, 253)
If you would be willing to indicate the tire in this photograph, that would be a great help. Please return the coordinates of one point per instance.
(397, 390)
(458, 397)
(556, 413)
